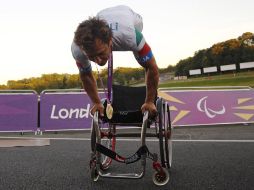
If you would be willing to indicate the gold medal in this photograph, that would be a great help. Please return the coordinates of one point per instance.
(109, 111)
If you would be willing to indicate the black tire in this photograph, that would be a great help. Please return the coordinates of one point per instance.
(159, 105)
(167, 136)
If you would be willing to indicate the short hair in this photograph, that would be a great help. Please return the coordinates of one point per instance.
(90, 30)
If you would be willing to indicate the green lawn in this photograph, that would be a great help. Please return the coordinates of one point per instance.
(239, 79)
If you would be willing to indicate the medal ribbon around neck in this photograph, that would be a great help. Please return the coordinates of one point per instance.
(108, 94)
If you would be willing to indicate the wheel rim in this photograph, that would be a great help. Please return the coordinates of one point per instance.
(110, 144)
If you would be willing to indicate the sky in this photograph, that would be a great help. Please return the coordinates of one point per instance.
(35, 35)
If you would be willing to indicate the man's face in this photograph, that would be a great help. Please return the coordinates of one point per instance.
(101, 52)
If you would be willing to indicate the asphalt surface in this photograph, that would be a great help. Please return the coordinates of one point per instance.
(218, 157)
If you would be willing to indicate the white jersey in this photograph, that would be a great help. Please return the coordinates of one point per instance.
(126, 26)
(123, 22)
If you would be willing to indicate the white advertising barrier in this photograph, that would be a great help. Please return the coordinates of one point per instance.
(247, 65)
(228, 67)
(195, 72)
(210, 69)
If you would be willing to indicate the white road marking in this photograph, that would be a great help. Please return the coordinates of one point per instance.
(136, 139)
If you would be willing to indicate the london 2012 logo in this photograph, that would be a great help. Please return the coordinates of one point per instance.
(202, 107)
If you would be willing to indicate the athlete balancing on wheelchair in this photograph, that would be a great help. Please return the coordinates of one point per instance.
(113, 29)
(120, 29)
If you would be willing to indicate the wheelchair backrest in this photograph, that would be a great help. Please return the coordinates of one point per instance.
(127, 98)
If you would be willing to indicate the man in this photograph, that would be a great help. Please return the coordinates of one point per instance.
(113, 29)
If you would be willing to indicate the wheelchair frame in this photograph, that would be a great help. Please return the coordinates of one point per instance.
(102, 155)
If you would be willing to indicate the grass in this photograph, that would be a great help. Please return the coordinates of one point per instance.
(238, 79)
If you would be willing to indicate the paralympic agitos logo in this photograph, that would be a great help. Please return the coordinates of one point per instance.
(202, 107)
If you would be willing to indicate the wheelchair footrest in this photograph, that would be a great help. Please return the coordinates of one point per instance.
(122, 176)
(143, 150)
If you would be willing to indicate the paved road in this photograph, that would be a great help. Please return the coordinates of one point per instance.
(203, 158)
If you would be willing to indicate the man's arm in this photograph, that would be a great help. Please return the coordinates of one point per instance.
(90, 87)
(87, 77)
(152, 80)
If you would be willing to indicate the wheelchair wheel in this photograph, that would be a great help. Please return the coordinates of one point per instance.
(108, 141)
(168, 135)
(164, 130)
(159, 105)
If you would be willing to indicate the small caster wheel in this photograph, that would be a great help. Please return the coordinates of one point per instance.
(161, 178)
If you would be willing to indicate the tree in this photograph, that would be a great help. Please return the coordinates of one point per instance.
(231, 51)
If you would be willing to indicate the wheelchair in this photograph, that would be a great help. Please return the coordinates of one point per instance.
(126, 104)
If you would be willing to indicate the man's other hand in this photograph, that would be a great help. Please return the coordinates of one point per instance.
(150, 107)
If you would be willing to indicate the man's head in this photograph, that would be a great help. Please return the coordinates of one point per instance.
(94, 37)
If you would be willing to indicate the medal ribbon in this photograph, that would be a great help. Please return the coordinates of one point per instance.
(110, 76)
